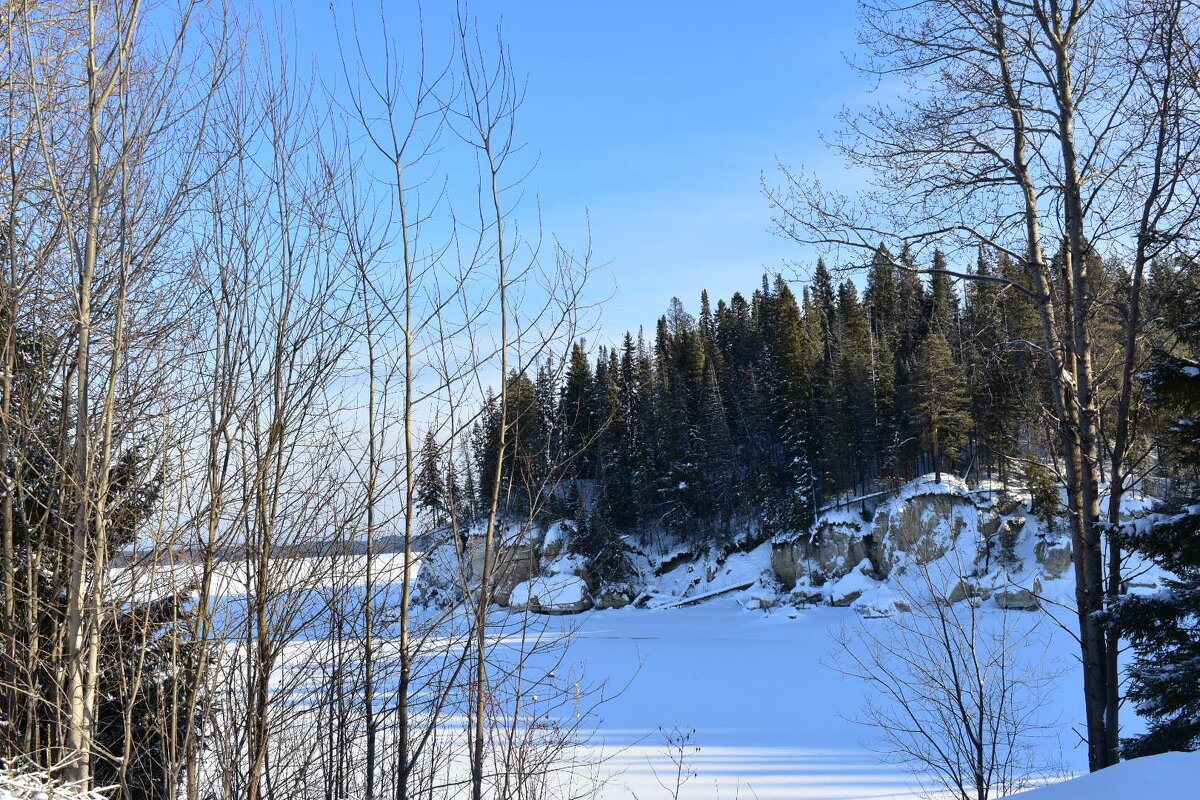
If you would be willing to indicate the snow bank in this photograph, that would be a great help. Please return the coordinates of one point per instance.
(931, 484)
(1170, 776)
(19, 785)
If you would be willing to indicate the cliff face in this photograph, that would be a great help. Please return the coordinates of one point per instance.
(981, 543)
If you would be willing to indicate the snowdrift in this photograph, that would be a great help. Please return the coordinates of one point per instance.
(1170, 776)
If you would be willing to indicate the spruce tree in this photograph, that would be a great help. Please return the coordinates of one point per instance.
(431, 486)
(855, 395)
(943, 310)
(942, 404)
(577, 412)
(1162, 627)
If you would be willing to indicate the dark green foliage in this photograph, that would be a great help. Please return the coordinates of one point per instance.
(1044, 498)
(941, 410)
(748, 418)
(1164, 628)
(432, 492)
(606, 551)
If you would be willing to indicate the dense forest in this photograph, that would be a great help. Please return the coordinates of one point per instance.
(744, 420)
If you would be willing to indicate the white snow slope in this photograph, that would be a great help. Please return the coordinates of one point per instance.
(1170, 776)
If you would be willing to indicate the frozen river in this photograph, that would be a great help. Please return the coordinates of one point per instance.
(770, 719)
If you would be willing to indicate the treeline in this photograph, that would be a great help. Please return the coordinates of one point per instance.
(753, 414)
(749, 417)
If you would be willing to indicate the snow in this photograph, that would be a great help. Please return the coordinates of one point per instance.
(771, 718)
(855, 582)
(17, 785)
(931, 484)
(558, 533)
(1169, 776)
(563, 589)
(880, 602)
(747, 671)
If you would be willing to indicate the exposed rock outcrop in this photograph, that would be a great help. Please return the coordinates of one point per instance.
(922, 526)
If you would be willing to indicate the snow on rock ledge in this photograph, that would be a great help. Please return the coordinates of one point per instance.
(561, 593)
(985, 544)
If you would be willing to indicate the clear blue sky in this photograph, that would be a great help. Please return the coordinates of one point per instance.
(656, 118)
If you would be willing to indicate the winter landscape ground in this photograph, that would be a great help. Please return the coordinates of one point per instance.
(771, 717)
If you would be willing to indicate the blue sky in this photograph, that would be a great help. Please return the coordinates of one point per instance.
(654, 120)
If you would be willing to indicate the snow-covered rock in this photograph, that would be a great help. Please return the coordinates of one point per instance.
(923, 522)
(516, 556)
(1017, 598)
(851, 586)
(1054, 555)
(562, 593)
(879, 603)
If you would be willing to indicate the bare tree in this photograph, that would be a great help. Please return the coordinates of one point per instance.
(954, 694)
(1026, 128)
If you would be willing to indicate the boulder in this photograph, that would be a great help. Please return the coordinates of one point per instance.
(850, 587)
(966, 590)
(552, 594)
(1006, 504)
(880, 603)
(613, 598)
(1054, 555)
(806, 596)
(1015, 598)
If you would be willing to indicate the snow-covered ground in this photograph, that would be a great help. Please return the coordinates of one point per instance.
(770, 718)
(1170, 776)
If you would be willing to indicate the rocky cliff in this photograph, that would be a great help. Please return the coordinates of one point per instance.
(980, 543)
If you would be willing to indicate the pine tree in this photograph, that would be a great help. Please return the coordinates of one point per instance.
(577, 412)
(1162, 627)
(431, 486)
(942, 403)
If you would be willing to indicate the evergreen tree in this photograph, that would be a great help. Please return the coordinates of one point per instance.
(943, 300)
(790, 366)
(577, 411)
(1162, 627)
(431, 486)
(855, 393)
(942, 404)
(714, 455)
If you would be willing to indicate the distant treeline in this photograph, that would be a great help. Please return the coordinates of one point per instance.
(753, 414)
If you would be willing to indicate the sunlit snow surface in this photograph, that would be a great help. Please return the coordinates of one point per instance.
(770, 718)
(1169, 776)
